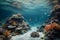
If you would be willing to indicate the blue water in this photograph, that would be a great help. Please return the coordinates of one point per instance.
(35, 12)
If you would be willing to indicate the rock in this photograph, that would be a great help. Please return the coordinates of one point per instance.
(34, 34)
(18, 31)
(13, 34)
(24, 31)
(2, 37)
(1, 31)
(41, 29)
(42, 37)
(16, 23)
(55, 14)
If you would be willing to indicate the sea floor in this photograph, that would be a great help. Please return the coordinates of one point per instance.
(27, 36)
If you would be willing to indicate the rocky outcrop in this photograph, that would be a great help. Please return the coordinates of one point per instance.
(15, 23)
(55, 15)
(53, 26)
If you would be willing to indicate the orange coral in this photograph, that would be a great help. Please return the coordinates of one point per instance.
(52, 27)
(7, 33)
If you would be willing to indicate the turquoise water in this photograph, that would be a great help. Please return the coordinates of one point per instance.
(35, 12)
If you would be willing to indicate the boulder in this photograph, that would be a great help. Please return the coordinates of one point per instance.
(34, 34)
